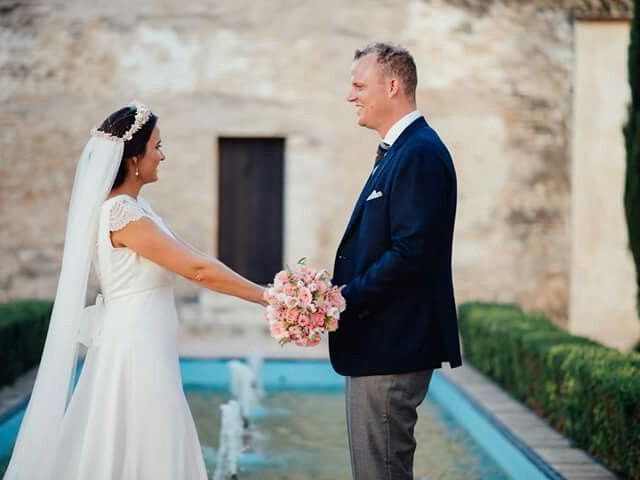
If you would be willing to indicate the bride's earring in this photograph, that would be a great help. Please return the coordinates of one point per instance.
(137, 171)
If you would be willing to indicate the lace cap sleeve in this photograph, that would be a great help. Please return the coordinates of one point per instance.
(122, 212)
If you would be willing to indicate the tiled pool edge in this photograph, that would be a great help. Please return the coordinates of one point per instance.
(14, 397)
(549, 450)
(513, 457)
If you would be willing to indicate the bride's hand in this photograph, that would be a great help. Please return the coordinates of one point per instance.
(263, 300)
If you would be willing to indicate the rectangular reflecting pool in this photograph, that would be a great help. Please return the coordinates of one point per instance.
(300, 432)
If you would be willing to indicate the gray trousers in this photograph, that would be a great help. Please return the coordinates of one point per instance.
(381, 416)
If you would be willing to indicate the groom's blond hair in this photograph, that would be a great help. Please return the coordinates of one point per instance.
(395, 61)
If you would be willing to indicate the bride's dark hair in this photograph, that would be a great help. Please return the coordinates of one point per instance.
(117, 124)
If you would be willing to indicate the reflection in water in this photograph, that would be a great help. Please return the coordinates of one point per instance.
(302, 436)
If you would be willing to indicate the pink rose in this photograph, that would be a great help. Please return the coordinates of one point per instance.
(307, 274)
(335, 299)
(278, 330)
(304, 297)
(295, 333)
(317, 319)
(292, 315)
(281, 278)
(304, 320)
(289, 289)
(322, 286)
(313, 341)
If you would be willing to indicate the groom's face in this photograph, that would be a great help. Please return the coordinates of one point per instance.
(368, 91)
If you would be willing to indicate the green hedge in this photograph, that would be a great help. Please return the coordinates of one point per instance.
(589, 392)
(23, 328)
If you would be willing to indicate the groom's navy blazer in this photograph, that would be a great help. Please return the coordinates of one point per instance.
(395, 260)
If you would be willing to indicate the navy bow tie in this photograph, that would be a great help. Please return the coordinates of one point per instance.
(383, 147)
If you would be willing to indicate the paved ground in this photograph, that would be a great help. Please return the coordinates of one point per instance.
(540, 441)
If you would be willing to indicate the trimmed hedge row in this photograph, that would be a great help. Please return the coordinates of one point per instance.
(23, 328)
(589, 392)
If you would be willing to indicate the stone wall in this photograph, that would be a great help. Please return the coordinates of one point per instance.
(603, 286)
(495, 79)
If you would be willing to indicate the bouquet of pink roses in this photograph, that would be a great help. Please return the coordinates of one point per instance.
(303, 305)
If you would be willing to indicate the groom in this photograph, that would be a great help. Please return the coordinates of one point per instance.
(395, 260)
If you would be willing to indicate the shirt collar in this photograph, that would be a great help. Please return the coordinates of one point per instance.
(396, 130)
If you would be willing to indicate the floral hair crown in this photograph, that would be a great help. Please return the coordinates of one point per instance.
(143, 113)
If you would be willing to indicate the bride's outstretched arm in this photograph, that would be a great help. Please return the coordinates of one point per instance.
(144, 237)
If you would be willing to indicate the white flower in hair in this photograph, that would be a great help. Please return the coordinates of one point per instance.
(143, 113)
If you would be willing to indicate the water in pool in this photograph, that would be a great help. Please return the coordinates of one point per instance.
(303, 436)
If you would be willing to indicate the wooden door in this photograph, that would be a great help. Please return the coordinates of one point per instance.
(250, 233)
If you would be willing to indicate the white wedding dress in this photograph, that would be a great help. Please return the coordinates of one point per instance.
(128, 418)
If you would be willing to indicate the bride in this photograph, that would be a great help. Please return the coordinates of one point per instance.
(127, 417)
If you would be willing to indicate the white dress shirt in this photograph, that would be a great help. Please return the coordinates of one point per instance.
(397, 128)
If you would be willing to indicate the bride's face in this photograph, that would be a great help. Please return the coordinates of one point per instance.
(148, 164)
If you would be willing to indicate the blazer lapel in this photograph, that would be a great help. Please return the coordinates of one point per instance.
(368, 188)
(373, 178)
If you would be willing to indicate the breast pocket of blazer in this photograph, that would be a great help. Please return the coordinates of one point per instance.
(375, 205)
(374, 196)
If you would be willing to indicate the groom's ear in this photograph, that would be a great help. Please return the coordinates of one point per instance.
(393, 87)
